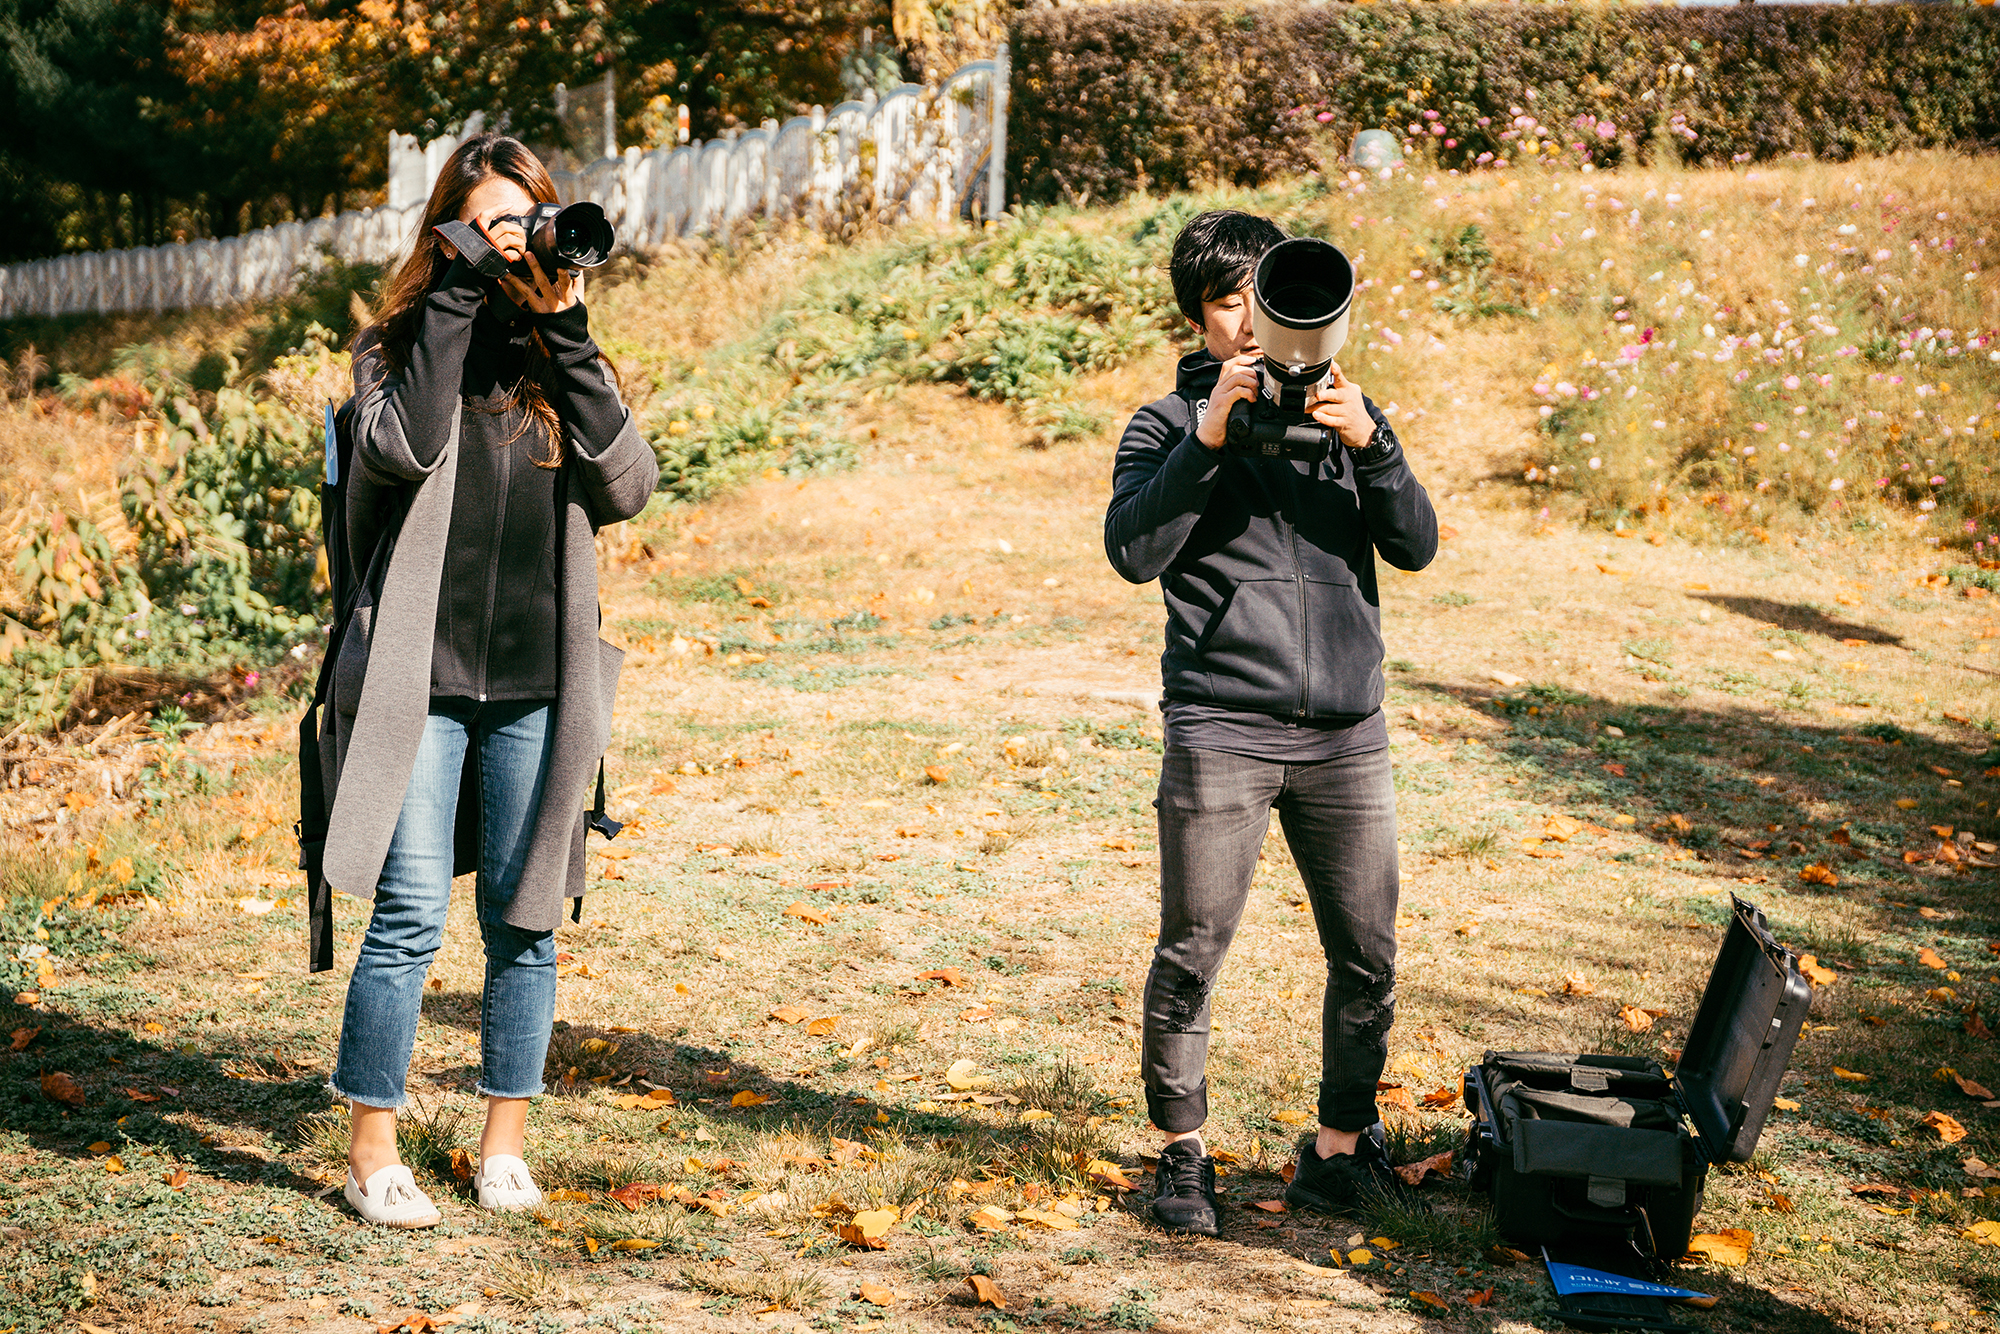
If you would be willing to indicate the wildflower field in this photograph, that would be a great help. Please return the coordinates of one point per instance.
(848, 1031)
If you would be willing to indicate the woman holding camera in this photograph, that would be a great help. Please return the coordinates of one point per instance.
(471, 694)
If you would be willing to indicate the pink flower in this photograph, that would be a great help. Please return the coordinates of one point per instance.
(1323, 117)
(1759, 426)
(1430, 115)
(1451, 143)
(1791, 382)
(1606, 130)
(1437, 129)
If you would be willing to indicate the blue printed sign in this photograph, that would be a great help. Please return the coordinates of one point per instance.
(332, 450)
(1575, 1278)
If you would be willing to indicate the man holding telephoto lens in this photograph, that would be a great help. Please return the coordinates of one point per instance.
(1258, 494)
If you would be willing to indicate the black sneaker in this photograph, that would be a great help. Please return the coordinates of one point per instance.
(1345, 1180)
(1184, 1190)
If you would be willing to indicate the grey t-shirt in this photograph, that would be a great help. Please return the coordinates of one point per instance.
(1264, 736)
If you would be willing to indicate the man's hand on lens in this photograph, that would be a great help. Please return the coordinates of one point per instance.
(1339, 406)
(1240, 381)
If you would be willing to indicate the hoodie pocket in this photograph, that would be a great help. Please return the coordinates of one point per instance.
(1250, 649)
(1343, 651)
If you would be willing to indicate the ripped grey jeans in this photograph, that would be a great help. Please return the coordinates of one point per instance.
(1339, 818)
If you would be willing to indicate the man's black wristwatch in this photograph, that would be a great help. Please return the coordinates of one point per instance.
(1379, 446)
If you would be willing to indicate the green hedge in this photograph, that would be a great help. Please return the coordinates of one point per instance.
(1168, 95)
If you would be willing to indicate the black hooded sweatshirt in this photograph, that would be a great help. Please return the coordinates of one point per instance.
(498, 622)
(1267, 565)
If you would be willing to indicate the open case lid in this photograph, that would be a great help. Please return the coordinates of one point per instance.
(1742, 1037)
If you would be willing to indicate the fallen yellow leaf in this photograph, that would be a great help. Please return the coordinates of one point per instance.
(1986, 1232)
(1970, 1089)
(746, 1098)
(990, 1218)
(1730, 1247)
(1947, 1127)
(1816, 973)
(1839, 1073)
(868, 1229)
(987, 1292)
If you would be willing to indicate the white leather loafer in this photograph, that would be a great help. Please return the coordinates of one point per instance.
(503, 1183)
(391, 1199)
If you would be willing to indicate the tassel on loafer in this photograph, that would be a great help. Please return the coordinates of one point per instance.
(503, 1183)
(391, 1199)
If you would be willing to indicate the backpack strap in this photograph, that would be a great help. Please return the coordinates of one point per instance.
(313, 813)
(604, 825)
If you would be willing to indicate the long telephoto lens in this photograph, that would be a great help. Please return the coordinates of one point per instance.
(1303, 292)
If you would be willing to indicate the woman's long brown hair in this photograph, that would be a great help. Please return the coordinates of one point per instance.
(400, 312)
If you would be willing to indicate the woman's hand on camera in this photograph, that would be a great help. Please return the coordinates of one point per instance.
(505, 237)
(1238, 382)
(543, 297)
(1339, 406)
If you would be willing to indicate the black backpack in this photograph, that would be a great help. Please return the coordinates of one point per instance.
(313, 813)
(345, 588)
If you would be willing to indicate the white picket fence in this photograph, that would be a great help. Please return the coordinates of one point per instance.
(929, 154)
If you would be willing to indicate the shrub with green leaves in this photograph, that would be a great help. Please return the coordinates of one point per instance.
(213, 561)
(1166, 95)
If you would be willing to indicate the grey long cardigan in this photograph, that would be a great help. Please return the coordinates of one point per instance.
(400, 510)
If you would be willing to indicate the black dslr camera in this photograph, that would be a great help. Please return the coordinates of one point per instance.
(1300, 297)
(574, 236)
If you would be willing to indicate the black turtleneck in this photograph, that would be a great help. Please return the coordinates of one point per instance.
(498, 617)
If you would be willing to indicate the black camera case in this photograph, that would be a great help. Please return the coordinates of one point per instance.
(1585, 1149)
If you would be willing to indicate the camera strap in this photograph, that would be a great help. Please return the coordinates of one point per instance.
(478, 251)
(486, 261)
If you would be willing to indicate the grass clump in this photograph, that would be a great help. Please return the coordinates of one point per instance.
(772, 1285)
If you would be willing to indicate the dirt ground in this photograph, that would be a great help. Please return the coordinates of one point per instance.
(880, 918)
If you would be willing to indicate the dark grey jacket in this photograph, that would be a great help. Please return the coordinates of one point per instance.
(1267, 566)
(399, 505)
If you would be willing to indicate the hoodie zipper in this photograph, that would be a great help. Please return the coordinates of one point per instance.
(493, 566)
(1305, 631)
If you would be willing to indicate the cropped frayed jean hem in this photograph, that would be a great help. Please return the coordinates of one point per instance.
(485, 1092)
(342, 1094)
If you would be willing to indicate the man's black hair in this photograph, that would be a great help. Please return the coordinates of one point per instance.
(1214, 255)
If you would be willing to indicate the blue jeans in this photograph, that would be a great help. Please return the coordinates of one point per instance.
(1339, 817)
(379, 1026)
